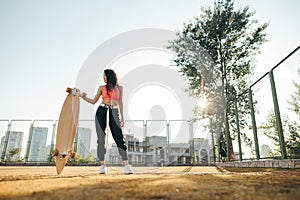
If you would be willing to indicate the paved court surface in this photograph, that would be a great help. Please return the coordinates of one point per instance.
(149, 183)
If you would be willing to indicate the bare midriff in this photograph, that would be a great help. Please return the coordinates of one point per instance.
(110, 102)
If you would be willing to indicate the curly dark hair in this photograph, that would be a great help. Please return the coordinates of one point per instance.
(111, 78)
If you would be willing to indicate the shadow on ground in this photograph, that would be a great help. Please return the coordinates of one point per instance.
(82, 183)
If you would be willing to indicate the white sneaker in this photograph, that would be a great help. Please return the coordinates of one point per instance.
(128, 169)
(103, 169)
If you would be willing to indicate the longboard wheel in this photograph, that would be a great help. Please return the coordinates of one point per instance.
(72, 155)
(55, 152)
(69, 90)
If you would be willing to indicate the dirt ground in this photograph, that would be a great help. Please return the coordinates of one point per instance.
(149, 183)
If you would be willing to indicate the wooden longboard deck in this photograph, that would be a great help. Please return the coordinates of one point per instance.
(66, 130)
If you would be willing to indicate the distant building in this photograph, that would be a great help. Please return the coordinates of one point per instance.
(2, 145)
(112, 156)
(48, 152)
(155, 151)
(84, 142)
(237, 155)
(14, 143)
(179, 153)
(134, 149)
(94, 155)
(37, 148)
(265, 151)
(202, 150)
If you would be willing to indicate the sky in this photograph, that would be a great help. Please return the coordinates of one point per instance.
(44, 44)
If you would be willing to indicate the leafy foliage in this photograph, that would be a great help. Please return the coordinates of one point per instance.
(79, 160)
(295, 99)
(14, 155)
(293, 143)
(215, 53)
(291, 129)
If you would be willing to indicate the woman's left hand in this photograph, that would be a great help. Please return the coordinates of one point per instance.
(122, 123)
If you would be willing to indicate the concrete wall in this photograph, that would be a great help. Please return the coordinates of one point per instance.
(292, 164)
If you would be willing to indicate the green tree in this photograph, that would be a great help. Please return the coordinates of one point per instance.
(293, 143)
(269, 129)
(14, 155)
(291, 129)
(215, 53)
(79, 160)
(295, 99)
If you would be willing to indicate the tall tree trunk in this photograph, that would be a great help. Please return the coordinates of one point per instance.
(229, 139)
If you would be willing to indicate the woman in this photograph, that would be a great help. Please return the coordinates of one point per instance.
(112, 94)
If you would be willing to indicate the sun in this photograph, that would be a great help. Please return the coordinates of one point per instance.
(201, 102)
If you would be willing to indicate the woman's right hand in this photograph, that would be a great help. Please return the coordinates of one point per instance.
(83, 95)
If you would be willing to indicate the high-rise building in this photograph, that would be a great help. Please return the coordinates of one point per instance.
(37, 149)
(14, 144)
(84, 141)
(2, 145)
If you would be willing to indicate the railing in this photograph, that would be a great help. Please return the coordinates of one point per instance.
(149, 142)
(269, 112)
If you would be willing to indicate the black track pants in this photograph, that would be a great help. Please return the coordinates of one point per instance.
(114, 125)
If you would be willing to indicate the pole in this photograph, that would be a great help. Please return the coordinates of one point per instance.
(238, 128)
(254, 125)
(277, 114)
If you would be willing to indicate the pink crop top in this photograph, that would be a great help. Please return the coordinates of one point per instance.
(111, 95)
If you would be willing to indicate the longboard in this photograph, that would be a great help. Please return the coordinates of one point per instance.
(66, 130)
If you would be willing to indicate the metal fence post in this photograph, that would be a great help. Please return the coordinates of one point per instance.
(145, 142)
(254, 125)
(192, 143)
(277, 114)
(168, 143)
(29, 141)
(6, 142)
(52, 141)
(238, 128)
(75, 144)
